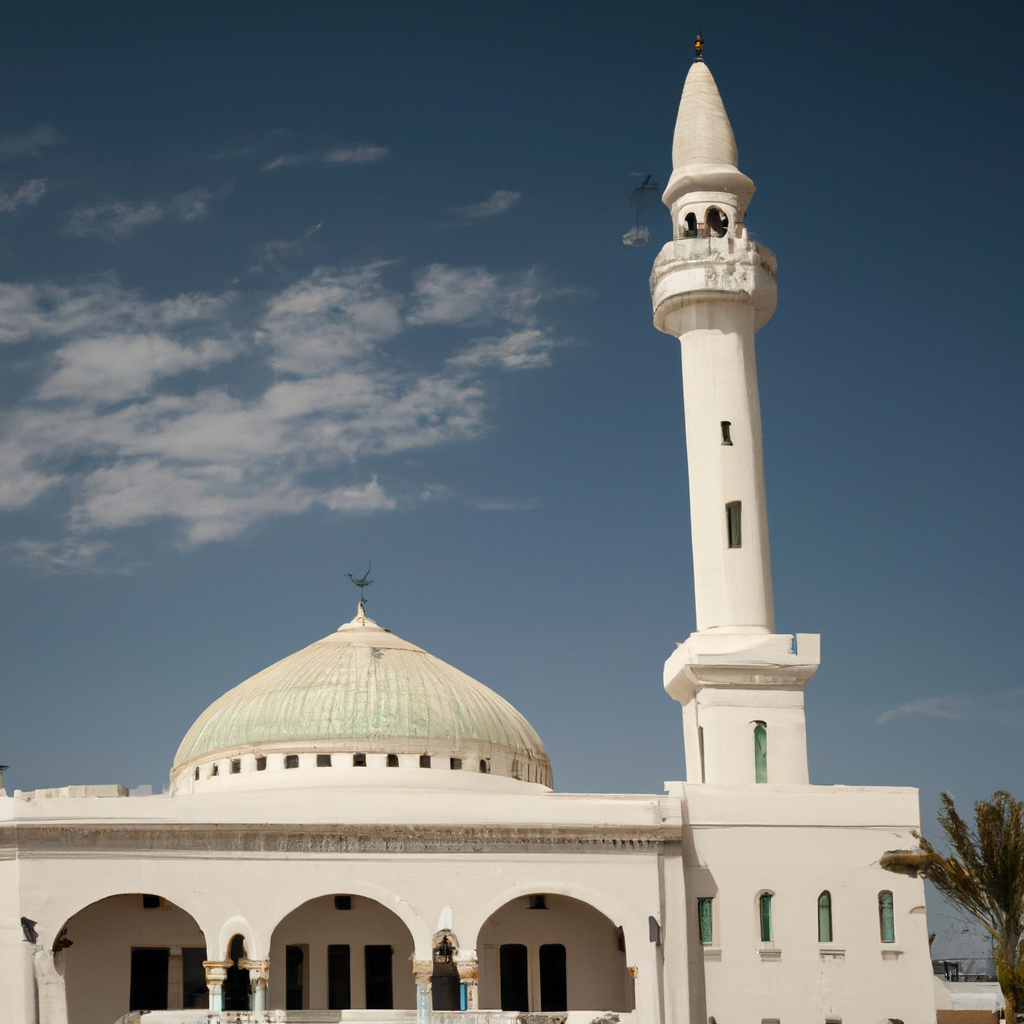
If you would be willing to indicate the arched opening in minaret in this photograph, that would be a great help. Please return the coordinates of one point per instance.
(726, 432)
(760, 752)
(733, 523)
(690, 230)
(716, 222)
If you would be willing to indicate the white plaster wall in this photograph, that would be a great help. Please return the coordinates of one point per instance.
(741, 848)
(732, 586)
(595, 967)
(16, 997)
(97, 968)
(317, 925)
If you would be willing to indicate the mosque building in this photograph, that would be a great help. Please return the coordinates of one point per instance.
(363, 833)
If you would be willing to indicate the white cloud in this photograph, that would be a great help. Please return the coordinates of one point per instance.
(116, 219)
(500, 200)
(28, 195)
(1005, 708)
(114, 428)
(362, 154)
(31, 143)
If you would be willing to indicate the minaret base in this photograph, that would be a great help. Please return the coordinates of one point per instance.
(743, 705)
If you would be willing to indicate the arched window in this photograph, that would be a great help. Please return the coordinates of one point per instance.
(717, 222)
(765, 915)
(690, 231)
(886, 922)
(825, 917)
(760, 752)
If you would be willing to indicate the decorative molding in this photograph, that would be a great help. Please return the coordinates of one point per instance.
(44, 839)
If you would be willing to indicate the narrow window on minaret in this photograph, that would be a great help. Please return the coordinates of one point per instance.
(760, 752)
(726, 432)
(732, 522)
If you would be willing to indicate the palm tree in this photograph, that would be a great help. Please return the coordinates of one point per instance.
(984, 877)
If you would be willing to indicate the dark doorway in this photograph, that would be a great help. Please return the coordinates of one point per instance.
(149, 979)
(553, 996)
(379, 990)
(339, 977)
(236, 987)
(515, 987)
(294, 976)
(195, 995)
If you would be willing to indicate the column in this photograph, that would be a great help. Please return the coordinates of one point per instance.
(216, 975)
(175, 979)
(422, 971)
(469, 975)
(259, 980)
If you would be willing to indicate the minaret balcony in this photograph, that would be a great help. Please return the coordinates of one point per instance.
(693, 270)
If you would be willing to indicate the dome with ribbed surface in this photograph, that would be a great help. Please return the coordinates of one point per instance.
(364, 692)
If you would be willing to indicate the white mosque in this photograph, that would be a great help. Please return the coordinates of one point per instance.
(361, 832)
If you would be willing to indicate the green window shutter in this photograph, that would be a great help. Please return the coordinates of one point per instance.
(766, 917)
(825, 917)
(760, 753)
(885, 916)
(704, 921)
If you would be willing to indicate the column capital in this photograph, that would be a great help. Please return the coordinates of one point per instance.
(259, 970)
(217, 971)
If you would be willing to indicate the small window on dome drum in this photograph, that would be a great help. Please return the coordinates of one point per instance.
(484, 766)
(424, 760)
(291, 760)
(358, 760)
(216, 770)
(323, 760)
(392, 760)
(197, 775)
(456, 764)
(236, 765)
(261, 764)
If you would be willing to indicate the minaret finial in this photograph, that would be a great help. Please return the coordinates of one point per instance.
(698, 46)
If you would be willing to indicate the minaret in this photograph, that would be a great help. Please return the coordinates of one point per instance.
(740, 683)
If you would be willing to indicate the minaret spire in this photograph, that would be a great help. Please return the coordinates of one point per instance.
(713, 289)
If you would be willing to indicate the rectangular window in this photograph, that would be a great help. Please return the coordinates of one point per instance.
(323, 760)
(294, 977)
(392, 760)
(726, 432)
(379, 989)
(358, 760)
(704, 921)
(291, 760)
(339, 978)
(733, 512)
(766, 916)
(148, 989)
(886, 918)
(236, 766)
(456, 764)
(261, 764)
(515, 989)
(760, 752)
(553, 998)
(424, 760)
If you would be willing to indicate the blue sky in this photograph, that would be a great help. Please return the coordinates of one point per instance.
(287, 287)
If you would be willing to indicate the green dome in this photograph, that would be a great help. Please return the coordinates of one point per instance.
(365, 689)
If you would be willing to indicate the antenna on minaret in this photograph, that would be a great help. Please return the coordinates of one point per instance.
(361, 582)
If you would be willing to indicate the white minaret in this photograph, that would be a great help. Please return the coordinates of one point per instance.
(740, 684)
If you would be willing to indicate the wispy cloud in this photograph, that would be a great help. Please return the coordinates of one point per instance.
(363, 154)
(130, 419)
(1006, 708)
(500, 201)
(117, 219)
(30, 143)
(28, 195)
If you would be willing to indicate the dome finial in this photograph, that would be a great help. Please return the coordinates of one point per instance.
(698, 46)
(361, 582)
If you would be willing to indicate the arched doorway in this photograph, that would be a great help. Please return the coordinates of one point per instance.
(236, 984)
(341, 952)
(549, 953)
(135, 951)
